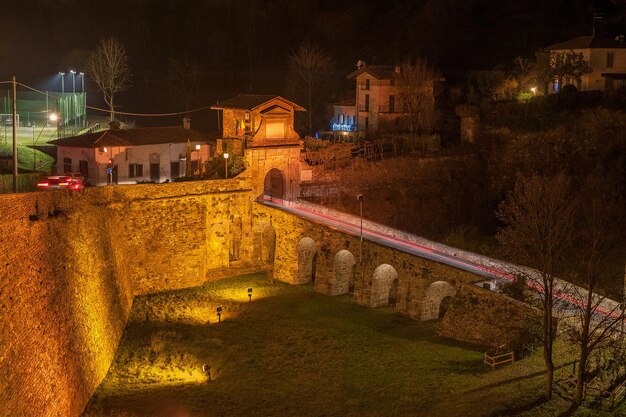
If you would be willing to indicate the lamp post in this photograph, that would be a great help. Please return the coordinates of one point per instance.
(73, 81)
(62, 74)
(226, 165)
(249, 293)
(82, 82)
(219, 314)
(360, 199)
(82, 90)
(198, 147)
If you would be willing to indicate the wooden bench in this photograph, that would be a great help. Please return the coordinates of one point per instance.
(499, 356)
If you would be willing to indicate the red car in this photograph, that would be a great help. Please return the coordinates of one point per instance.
(62, 182)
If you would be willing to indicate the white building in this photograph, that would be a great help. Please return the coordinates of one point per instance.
(606, 57)
(343, 122)
(126, 156)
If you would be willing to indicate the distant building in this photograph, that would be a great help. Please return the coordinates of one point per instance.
(143, 154)
(606, 57)
(344, 122)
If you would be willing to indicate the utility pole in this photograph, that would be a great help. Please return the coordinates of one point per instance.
(14, 136)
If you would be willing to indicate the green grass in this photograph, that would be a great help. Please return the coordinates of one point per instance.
(292, 352)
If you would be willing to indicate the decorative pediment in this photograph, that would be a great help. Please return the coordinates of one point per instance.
(276, 109)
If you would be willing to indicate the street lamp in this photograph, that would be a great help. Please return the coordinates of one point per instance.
(73, 81)
(219, 314)
(82, 81)
(250, 293)
(360, 199)
(226, 165)
(62, 74)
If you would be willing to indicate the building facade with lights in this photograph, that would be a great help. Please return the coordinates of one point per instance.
(128, 156)
(605, 56)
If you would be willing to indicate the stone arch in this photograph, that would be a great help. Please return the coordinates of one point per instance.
(307, 256)
(264, 239)
(344, 264)
(274, 185)
(384, 282)
(436, 292)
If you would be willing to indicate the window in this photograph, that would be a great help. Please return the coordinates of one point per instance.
(275, 130)
(135, 170)
(392, 104)
(609, 59)
(67, 165)
(367, 123)
(83, 167)
(608, 83)
(367, 83)
(341, 118)
(367, 102)
(174, 169)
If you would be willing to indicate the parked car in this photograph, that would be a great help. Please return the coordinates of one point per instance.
(73, 182)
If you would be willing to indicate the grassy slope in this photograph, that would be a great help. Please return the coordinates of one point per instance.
(292, 352)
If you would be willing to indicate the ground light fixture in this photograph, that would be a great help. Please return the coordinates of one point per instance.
(206, 369)
(53, 117)
(250, 293)
(219, 314)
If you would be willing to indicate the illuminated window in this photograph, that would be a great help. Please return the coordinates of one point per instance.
(274, 130)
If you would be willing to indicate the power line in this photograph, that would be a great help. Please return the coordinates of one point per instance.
(116, 112)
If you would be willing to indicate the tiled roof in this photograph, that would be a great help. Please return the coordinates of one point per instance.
(377, 71)
(132, 137)
(587, 42)
(251, 101)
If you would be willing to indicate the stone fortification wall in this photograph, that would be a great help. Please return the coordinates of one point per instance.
(72, 263)
(64, 300)
(490, 319)
(414, 274)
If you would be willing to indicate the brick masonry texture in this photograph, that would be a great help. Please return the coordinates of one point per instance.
(486, 318)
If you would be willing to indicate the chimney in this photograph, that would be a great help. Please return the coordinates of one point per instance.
(360, 64)
(397, 69)
(186, 123)
(114, 125)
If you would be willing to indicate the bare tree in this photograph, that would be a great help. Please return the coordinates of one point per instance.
(538, 232)
(108, 67)
(183, 81)
(309, 69)
(416, 94)
(568, 66)
(600, 216)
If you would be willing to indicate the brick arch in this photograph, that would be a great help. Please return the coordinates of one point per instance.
(264, 243)
(307, 256)
(344, 264)
(435, 294)
(384, 285)
(274, 184)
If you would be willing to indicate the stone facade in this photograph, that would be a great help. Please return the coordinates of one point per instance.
(490, 319)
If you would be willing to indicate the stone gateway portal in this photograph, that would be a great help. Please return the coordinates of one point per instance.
(274, 185)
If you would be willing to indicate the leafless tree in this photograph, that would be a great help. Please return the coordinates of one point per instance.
(539, 230)
(416, 94)
(183, 81)
(108, 67)
(309, 69)
(597, 319)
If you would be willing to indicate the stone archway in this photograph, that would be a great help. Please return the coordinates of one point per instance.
(264, 240)
(436, 293)
(307, 253)
(384, 281)
(274, 185)
(344, 264)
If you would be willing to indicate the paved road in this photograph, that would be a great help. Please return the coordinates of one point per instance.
(484, 266)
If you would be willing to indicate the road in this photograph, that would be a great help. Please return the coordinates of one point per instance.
(570, 296)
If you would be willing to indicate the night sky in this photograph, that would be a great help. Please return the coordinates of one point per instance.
(242, 46)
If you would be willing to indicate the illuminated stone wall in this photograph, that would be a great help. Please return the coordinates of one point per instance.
(64, 300)
(415, 275)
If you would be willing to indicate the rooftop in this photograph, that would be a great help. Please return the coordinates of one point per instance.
(588, 42)
(379, 72)
(132, 137)
(251, 102)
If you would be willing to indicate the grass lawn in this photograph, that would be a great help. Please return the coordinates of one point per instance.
(292, 352)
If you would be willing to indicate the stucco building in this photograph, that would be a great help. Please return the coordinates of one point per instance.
(142, 154)
(606, 57)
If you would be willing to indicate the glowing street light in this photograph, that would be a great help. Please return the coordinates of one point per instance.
(73, 81)
(226, 165)
(250, 293)
(53, 117)
(62, 74)
(82, 80)
(533, 90)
